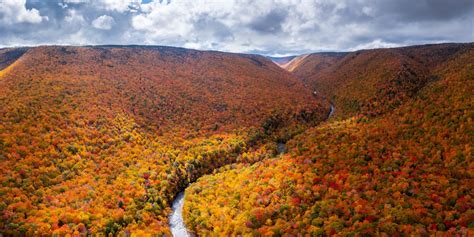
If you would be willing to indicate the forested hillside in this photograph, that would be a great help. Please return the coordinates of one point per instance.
(375, 81)
(408, 171)
(309, 64)
(100, 139)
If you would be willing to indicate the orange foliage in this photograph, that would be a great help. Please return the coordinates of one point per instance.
(408, 172)
(373, 82)
(100, 139)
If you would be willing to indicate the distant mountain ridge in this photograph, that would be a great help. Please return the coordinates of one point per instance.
(372, 81)
(281, 60)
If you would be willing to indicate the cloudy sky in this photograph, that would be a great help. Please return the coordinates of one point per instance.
(271, 27)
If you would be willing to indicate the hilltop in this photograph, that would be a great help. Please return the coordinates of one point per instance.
(164, 85)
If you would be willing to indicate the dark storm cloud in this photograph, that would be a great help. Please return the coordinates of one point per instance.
(269, 23)
(212, 26)
(269, 27)
(427, 10)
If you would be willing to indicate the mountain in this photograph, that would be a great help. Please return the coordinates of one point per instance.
(164, 86)
(308, 64)
(407, 171)
(375, 81)
(305, 65)
(100, 139)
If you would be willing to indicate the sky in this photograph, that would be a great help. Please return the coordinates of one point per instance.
(269, 27)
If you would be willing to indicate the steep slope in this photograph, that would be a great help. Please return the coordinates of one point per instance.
(409, 172)
(167, 86)
(100, 139)
(373, 82)
(306, 65)
(9, 56)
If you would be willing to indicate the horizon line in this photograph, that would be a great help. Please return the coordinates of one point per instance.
(230, 52)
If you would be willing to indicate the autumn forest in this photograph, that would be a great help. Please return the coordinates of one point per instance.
(101, 140)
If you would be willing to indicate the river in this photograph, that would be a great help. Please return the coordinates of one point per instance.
(177, 225)
(331, 111)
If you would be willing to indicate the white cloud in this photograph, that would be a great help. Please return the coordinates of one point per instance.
(76, 1)
(14, 11)
(249, 26)
(103, 22)
(117, 5)
(74, 17)
(109, 5)
(273, 26)
(242, 25)
(378, 43)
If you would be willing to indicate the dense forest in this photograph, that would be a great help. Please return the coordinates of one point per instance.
(100, 140)
(372, 82)
(407, 172)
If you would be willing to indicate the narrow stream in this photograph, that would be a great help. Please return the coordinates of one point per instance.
(331, 111)
(176, 218)
(281, 148)
(177, 226)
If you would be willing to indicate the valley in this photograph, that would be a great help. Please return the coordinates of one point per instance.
(161, 141)
(105, 143)
(402, 170)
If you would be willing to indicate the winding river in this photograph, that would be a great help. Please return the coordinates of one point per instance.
(177, 226)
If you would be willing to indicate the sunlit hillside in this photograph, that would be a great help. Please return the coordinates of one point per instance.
(406, 172)
(375, 81)
(101, 139)
(188, 118)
